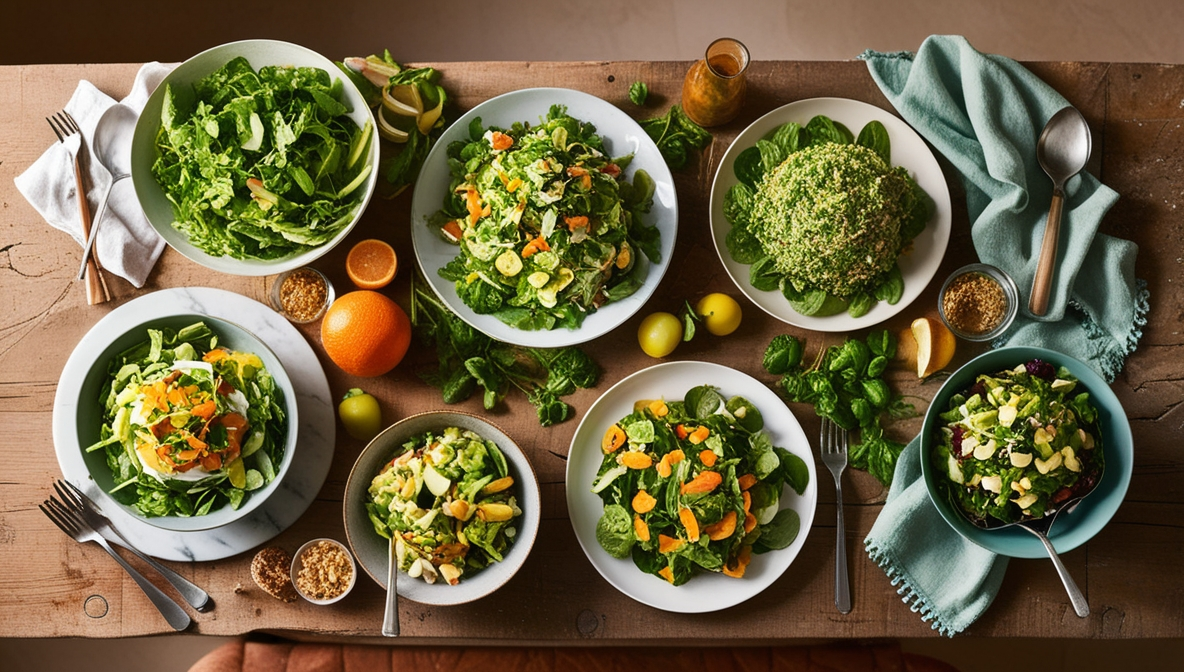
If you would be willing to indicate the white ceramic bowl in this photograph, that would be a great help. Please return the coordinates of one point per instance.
(89, 417)
(298, 565)
(158, 208)
(371, 550)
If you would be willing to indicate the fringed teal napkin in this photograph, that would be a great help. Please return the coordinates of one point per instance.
(984, 113)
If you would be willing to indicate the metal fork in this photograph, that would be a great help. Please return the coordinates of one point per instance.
(75, 527)
(64, 126)
(833, 445)
(76, 500)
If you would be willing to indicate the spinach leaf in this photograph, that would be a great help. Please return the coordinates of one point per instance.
(675, 135)
(875, 137)
(638, 92)
(702, 401)
(743, 246)
(780, 532)
(788, 137)
(892, 288)
(749, 167)
(764, 276)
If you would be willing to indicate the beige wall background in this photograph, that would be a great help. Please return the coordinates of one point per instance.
(74, 31)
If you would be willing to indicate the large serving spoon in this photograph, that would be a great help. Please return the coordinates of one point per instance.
(112, 146)
(1062, 150)
(1040, 528)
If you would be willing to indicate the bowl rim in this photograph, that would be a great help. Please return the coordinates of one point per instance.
(297, 563)
(278, 373)
(524, 540)
(148, 123)
(1095, 511)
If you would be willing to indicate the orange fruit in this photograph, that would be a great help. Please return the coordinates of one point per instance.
(365, 333)
(371, 264)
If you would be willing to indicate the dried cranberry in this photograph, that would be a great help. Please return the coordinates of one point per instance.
(1060, 496)
(957, 441)
(978, 388)
(1041, 369)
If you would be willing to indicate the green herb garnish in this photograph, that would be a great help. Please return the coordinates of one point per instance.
(676, 136)
(638, 92)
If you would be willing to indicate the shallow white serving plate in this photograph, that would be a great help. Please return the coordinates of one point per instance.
(158, 208)
(706, 591)
(371, 549)
(315, 429)
(908, 149)
(621, 136)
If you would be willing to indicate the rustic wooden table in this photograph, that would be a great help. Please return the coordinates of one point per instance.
(1130, 571)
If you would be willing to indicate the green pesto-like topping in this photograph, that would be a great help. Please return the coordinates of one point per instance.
(830, 217)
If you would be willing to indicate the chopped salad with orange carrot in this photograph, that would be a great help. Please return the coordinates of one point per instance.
(549, 227)
(189, 426)
(695, 485)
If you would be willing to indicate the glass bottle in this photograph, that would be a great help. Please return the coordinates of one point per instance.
(713, 90)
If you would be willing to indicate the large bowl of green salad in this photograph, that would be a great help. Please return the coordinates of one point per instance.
(1012, 435)
(186, 421)
(255, 157)
(452, 498)
(544, 217)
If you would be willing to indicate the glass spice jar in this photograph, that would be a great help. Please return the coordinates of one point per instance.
(302, 295)
(713, 90)
(978, 302)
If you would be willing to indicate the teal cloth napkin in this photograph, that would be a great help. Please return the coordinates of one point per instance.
(944, 577)
(984, 113)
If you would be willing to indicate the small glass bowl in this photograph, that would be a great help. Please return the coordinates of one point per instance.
(298, 565)
(298, 313)
(1010, 301)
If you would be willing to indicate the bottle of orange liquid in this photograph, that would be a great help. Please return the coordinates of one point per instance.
(713, 90)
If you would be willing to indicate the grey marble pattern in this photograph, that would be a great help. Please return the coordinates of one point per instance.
(316, 430)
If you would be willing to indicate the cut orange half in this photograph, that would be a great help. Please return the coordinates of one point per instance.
(371, 264)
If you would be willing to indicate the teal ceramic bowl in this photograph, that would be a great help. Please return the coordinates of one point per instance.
(1091, 515)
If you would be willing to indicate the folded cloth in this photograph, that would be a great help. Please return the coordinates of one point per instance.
(942, 575)
(126, 244)
(984, 113)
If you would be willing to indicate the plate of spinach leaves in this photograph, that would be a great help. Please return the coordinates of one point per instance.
(690, 486)
(830, 214)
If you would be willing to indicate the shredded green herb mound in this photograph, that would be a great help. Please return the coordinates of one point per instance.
(695, 485)
(261, 165)
(173, 428)
(823, 216)
(1018, 443)
(547, 226)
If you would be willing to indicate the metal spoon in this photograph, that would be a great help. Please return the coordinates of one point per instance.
(112, 146)
(1040, 527)
(1062, 150)
(390, 616)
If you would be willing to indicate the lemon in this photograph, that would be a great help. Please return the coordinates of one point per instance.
(935, 345)
(720, 312)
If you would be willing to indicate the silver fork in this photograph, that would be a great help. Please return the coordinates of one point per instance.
(64, 126)
(833, 444)
(76, 500)
(75, 527)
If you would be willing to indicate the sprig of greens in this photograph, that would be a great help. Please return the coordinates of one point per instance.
(845, 383)
(676, 135)
(638, 92)
(469, 359)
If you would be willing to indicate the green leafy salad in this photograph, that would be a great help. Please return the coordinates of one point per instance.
(695, 485)
(548, 228)
(822, 216)
(188, 426)
(261, 164)
(1018, 443)
(448, 500)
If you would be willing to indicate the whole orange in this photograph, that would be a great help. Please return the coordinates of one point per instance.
(365, 333)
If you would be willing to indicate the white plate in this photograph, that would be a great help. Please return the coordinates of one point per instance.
(159, 209)
(706, 591)
(908, 150)
(621, 136)
(315, 435)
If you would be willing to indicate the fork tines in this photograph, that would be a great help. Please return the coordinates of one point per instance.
(63, 125)
(61, 516)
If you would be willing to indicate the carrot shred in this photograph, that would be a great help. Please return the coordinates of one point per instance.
(640, 529)
(705, 481)
(576, 222)
(735, 567)
(635, 459)
(723, 528)
(688, 521)
(708, 458)
(500, 141)
(749, 522)
(682, 432)
(669, 544)
(667, 573)
(644, 502)
(747, 500)
(613, 439)
(452, 231)
(747, 481)
(663, 467)
(699, 435)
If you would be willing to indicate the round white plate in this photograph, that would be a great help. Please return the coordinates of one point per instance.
(908, 149)
(313, 452)
(706, 591)
(159, 209)
(621, 136)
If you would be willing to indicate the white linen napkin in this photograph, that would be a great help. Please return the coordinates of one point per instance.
(126, 244)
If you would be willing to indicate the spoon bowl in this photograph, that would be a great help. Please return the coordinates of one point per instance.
(112, 146)
(1062, 151)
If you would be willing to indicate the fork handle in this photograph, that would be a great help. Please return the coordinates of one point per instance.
(172, 612)
(193, 594)
(842, 582)
(95, 291)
